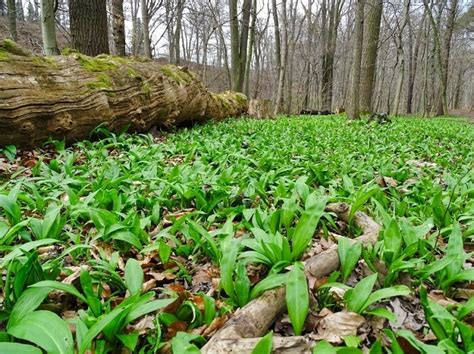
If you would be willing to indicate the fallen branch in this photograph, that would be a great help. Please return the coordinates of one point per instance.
(254, 319)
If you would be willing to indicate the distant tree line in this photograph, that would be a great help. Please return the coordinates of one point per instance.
(401, 56)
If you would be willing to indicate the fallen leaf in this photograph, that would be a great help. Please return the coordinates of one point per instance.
(338, 325)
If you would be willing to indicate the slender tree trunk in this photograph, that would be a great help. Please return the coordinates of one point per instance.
(250, 48)
(145, 29)
(12, 19)
(234, 43)
(442, 108)
(89, 26)
(118, 26)
(48, 28)
(401, 58)
(177, 33)
(282, 53)
(353, 112)
(369, 69)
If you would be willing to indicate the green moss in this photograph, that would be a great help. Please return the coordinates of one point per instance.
(44, 61)
(146, 89)
(11, 47)
(176, 74)
(96, 64)
(103, 82)
(3, 55)
(68, 51)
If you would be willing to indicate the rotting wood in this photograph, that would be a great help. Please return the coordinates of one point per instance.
(68, 96)
(254, 319)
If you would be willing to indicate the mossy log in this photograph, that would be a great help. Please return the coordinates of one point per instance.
(68, 96)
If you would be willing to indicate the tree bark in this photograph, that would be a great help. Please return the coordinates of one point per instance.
(374, 17)
(11, 8)
(353, 111)
(66, 97)
(146, 29)
(48, 28)
(89, 26)
(118, 21)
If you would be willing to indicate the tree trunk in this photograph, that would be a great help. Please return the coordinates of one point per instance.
(11, 7)
(66, 97)
(48, 28)
(177, 34)
(89, 26)
(442, 108)
(146, 29)
(353, 111)
(374, 17)
(118, 26)
(234, 43)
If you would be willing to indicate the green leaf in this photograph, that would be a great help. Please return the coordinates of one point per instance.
(392, 242)
(181, 343)
(323, 347)
(47, 330)
(128, 237)
(133, 276)
(25, 247)
(227, 266)
(357, 297)
(98, 327)
(242, 285)
(397, 290)
(67, 288)
(297, 298)
(11, 208)
(270, 282)
(143, 309)
(307, 224)
(383, 312)
(361, 199)
(18, 348)
(129, 340)
(349, 254)
(29, 301)
(264, 345)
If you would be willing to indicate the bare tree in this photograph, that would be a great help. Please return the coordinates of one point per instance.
(48, 28)
(353, 112)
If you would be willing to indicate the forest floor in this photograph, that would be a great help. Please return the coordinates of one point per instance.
(144, 242)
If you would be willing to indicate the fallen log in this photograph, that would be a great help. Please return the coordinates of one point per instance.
(68, 96)
(254, 319)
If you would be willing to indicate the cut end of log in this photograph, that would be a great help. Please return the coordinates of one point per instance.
(261, 109)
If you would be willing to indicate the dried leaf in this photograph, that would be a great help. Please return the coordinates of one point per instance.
(338, 325)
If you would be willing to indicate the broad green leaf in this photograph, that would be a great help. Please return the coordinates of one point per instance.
(270, 282)
(349, 254)
(98, 327)
(383, 312)
(18, 348)
(25, 247)
(297, 298)
(307, 224)
(323, 347)
(56, 285)
(133, 276)
(356, 298)
(397, 290)
(227, 266)
(28, 302)
(151, 306)
(182, 343)
(46, 329)
(264, 345)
